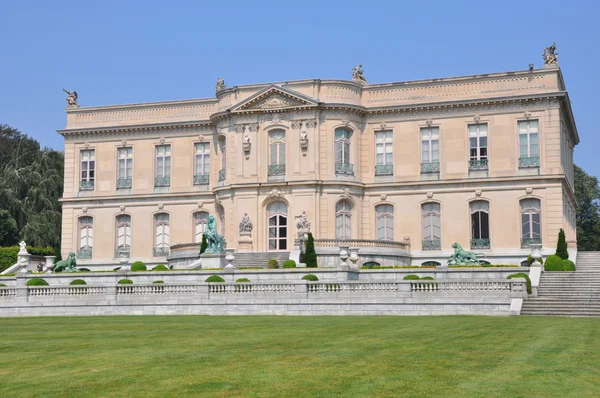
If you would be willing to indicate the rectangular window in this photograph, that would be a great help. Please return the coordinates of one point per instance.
(383, 147)
(125, 167)
(528, 139)
(430, 145)
(88, 169)
(202, 159)
(478, 141)
(163, 166)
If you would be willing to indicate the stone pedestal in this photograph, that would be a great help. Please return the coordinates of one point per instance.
(23, 260)
(213, 260)
(229, 257)
(245, 242)
(50, 261)
(297, 251)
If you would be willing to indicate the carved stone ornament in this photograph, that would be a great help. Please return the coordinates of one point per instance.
(550, 55)
(429, 122)
(162, 140)
(296, 124)
(528, 191)
(122, 207)
(253, 128)
(124, 143)
(246, 144)
(383, 125)
(200, 138)
(246, 225)
(345, 121)
(86, 145)
(84, 210)
(429, 195)
(275, 193)
(276, 101)
(240, 129)
(527, 115)
(311, 124)
(345, 193)
(160, 206)
(477, 118)
(383, 196)
(303, 140)
(200, 205)
(478, 193)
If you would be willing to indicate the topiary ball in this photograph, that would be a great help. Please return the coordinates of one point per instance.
(553, 263)
(37, 282)
(243, 280)
(272, 264)
(411, 277)
(568, 265)
(125, 282)
(214, 278)
(289, 264)
(77, 282)
(427, 278)
(158, 282)
(138, 266)
(310, 277)
(160, 267)
(2, 285)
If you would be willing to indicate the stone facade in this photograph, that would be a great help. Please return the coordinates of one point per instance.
(418, 162)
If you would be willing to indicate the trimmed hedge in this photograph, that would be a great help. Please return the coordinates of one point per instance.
(568, 265)
(37, 282)
(310, 277)
(522, 275)
(553, 263)
(239, 280)
(214, 278)
(138, 266)
(411, 277)
(427, 278)
(289, 264)
(273, 264)
(158, 282)
(160, 267)
(77, 282)
(8, 255)
(485, 266)
(2, 285)
(125, 282)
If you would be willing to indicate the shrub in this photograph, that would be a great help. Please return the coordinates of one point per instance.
(272, 264)
(553, 263)
(37, 282)
(310, 277)
(310, 256)
(411, 277)
(8, 255)
(2, 285)
(561, 246)
(125, 282)
(568, 265)
(160, 267)
(242, 280)
(158, 282)
(427, 278)
(83, 270)
(204, 244)
(138, 266)
(289, 264)
(522, 275)
(77, 282)
(214, 278)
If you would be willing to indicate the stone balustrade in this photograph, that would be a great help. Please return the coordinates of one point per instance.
(361, 243)
(66, 291)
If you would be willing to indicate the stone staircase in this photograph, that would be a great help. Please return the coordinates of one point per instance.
(569, 293)
(254, 260)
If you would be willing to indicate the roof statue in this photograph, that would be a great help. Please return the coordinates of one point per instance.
(358, 74)
(550, 55)
(220, 84)
(71, 97)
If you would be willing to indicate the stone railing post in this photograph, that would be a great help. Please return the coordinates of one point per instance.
(301, 289)
(203, 291)
(111, 292)
(22, 289)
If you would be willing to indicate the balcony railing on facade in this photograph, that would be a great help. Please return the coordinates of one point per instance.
(86, 185)
(221, 175)
(84, 253)
(478, 164)
(160, 251)
(361, 243)
(526, 242)
(276, 170)
(431, 244)
(430, 167)
(124, 183)
(162, 181)
(384, 170)
(201, 179)
(344, 168)
(529, 161)
(480, 243)
(123, 252)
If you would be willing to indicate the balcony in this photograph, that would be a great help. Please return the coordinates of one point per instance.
(124, 183)
(480, 244)
(84, 253)
(529, 161)
(478, 164)
(160, 251)
(86, 185)
(162, 181)
(344, 168)
(431, 244)
(122, 252)
(201, 179)
(430, 167)
(221, 175)
(384, 170)
(526, 242)
(276, 170)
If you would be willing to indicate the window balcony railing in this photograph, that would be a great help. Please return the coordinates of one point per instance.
(86, 185)
(529, 161)
(201, 179)
(432, 244)
(526, 242)
(276, 170)
(478, 164)
(430, 167)
(480, 244)
(84, 253)
(162, 181)
(344, 168)
(384, 170)
(122, 252)
(221, 175)
(160, 251)
(123, 183)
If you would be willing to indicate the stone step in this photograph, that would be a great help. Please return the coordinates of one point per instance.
(259, 259)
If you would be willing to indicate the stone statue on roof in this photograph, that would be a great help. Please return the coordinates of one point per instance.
(71, 97)
(550, 55)
(220, 84)
(358, 74)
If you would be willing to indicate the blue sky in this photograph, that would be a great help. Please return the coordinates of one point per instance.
(123, 51)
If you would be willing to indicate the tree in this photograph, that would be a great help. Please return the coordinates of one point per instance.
(310, 256)
(204, 244)
(561, 246)
(587, 202)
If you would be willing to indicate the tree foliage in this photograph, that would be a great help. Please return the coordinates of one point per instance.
(561, 246)
(31, 183)
(310, 256)
(587, 198)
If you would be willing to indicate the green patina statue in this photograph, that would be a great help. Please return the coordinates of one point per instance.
(461, 256)
(216, 242)
(67, 265)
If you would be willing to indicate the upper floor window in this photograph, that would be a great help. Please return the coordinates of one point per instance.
(163, 166)
(342, 152)
(277, 153)
(383, 153)
(480, 224)
(202, 163)
(430, 149)
(162, 235)
(531, 231)
(478, 154)
(88, 169)
(125, 167)
(123, 227)
(200, 221)
(432, 230)
(385, 222)
(529, 155)
(343, 220)
(86, 237)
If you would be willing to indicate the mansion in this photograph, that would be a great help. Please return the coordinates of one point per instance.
(483, 160)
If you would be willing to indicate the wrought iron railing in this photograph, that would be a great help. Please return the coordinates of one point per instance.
(276, 170)
(529, 161)
(430, 167)
(478, 164)
(432, 244)
(160, 251)
(123, 183)
(122, 252)
(384, 170)
(221, 175)
(344, 168)
(84, 252)
(526, 242)
(162, 181)
(480, 243)
(201, 179)
(86, 185)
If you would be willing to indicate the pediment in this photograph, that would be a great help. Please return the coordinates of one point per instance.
(274, 97)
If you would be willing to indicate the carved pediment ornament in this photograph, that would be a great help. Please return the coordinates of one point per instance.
(346, 121)
(275, 193)
(346, 193)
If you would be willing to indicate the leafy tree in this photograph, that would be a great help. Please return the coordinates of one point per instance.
(587, 199)
(561, 246)
(310, 256)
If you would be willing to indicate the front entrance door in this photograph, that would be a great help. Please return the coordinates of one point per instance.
(277, 213)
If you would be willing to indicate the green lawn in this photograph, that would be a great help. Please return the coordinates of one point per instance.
(165, 356)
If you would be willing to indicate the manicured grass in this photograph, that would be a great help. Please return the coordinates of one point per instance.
(176, 356)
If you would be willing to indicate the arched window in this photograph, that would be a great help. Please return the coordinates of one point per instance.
(200, 220)
(86, 237)
(123, 236)
(431, 264)
(385, 222)
(277, 221)
(162, 235)
(531, 230)
(480, 224)
(432, 231)
(277, 153)
(343, 220)
(342, 152)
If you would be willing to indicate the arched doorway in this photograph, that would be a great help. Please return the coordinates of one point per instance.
(277, 226)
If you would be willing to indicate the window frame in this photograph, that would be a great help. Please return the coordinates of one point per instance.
(203, 156)
(388, 221)
(345, 214)
(528, 134)
(430, 140)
